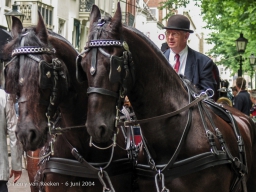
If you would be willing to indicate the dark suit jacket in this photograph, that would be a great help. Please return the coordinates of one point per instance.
(199, 70)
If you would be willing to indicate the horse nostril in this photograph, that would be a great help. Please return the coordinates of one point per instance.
(102, 129)
(32, 136)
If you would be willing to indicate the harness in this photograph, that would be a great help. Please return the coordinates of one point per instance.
(50, 75)
(199, 162)
(121, 68)
(173, 168)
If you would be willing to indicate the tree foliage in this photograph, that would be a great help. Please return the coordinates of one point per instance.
(226, 19)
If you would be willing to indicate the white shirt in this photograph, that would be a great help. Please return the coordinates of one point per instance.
(183, 59)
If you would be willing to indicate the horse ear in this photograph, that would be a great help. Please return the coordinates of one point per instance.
(95, 15)
(41, 30)
(117, 19)
(16, 27)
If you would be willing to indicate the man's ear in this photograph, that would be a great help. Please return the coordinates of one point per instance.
(187, 35)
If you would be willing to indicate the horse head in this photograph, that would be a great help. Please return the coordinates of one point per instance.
(103, 64)
(38, 78)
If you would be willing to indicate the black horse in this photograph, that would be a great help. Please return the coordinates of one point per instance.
(52, 113)
(188, 147)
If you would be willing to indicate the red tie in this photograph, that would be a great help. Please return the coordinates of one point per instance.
(177, 65)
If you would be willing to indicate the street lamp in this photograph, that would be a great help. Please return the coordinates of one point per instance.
(13, 12)
(252, 63)
(252, 59)
(241, 43)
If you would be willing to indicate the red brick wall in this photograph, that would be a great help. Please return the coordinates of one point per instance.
(131, 6)
(153, 3)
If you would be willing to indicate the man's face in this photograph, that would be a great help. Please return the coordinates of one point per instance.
(234, 92)
(176, 40)
(253, 100)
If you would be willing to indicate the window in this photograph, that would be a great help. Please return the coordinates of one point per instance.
(47, 12)
(154, 12)
(86, 5)
(8, 3)
(76, 34)
(61, 27)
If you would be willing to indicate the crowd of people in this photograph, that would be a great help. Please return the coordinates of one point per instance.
(240, 98)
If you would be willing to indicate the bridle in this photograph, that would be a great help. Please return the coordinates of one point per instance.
(50, 75)
(121, 68)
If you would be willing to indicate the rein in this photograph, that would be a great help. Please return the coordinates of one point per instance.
(171, 114)
(202, 161)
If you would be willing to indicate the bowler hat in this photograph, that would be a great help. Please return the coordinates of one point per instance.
(178, 22)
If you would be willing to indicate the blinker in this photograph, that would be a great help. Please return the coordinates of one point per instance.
(116, 69)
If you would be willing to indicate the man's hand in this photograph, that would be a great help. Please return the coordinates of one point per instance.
(17, 175)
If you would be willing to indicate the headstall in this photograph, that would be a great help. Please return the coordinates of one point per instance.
(121, 68)
(49, 73)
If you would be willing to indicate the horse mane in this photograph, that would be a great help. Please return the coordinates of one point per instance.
(145, 38)
(60, 37)
(149, 61)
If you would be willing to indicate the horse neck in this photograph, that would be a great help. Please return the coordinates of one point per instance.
(157, 90)
(74, 108)
(156, 83)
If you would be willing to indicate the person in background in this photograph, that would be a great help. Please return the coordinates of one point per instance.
(234, 93)
(195, 66)
(242, 100)
(136, 128)
(253, 109)
(8, 123)
(164, 47)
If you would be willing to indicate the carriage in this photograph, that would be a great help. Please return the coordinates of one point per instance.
(188, 142)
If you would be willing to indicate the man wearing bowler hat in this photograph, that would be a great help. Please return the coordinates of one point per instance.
(195, 66)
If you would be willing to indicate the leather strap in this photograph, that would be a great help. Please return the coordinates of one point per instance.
(186, 166)
(74, 168)
(171, 114)
(94, 58)
(101, 91)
